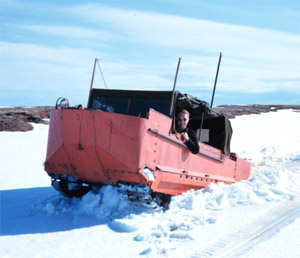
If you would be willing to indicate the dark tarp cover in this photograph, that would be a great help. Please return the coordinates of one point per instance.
(219, 126)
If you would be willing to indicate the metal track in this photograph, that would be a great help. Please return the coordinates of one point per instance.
(71, 186)
(143, 195)
(259, 230)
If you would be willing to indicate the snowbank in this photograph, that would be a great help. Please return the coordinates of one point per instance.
(37, 221)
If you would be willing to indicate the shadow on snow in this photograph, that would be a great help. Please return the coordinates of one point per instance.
(43, 210)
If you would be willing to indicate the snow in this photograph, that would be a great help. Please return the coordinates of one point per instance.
(38, 222)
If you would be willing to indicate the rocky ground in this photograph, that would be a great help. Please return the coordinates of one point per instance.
(20, 118)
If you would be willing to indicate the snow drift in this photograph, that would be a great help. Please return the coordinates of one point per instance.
(38, 222)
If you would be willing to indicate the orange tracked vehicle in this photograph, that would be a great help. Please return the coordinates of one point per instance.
(128, 138)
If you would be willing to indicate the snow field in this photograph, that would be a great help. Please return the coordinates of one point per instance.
(38, 222)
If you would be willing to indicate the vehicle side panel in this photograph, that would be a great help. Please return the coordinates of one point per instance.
(102, 147)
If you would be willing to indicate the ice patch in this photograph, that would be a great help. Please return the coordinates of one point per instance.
(147, 251)
(124, 225)
(148, 174)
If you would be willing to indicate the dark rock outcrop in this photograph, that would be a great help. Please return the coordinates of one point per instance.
(19, 118)
(15, 119)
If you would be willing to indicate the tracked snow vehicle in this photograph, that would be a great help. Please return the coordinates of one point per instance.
(128, 138)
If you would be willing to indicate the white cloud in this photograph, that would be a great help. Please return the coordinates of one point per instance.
(33, 67)
(180, 32)
(254, 60)
(24, 51)
(70, 32)
(252, 57)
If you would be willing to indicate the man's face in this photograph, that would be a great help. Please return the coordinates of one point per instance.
(182, 121)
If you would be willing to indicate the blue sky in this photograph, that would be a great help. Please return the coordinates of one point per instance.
(48, 49)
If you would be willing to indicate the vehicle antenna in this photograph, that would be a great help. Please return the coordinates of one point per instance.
(213, 95)
(174, 87)
(92, 82)
(93, 75)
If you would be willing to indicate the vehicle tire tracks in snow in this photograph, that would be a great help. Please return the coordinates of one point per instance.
(258, 230)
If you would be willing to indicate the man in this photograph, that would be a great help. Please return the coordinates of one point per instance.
(188, 135)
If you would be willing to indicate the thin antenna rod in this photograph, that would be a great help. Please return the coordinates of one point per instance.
(216, 79)
(174, 86)
(93, 75)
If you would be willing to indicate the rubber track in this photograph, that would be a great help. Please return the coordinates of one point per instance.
(257, 231)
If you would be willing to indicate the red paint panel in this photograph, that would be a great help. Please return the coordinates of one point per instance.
(102, 147)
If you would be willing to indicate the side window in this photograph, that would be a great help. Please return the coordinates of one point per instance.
(131, 106)
(100, 103)
(114, 105)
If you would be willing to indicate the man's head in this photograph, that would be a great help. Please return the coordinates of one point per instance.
(183, 117)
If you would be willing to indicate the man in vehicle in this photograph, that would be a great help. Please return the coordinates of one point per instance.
(188, 135)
